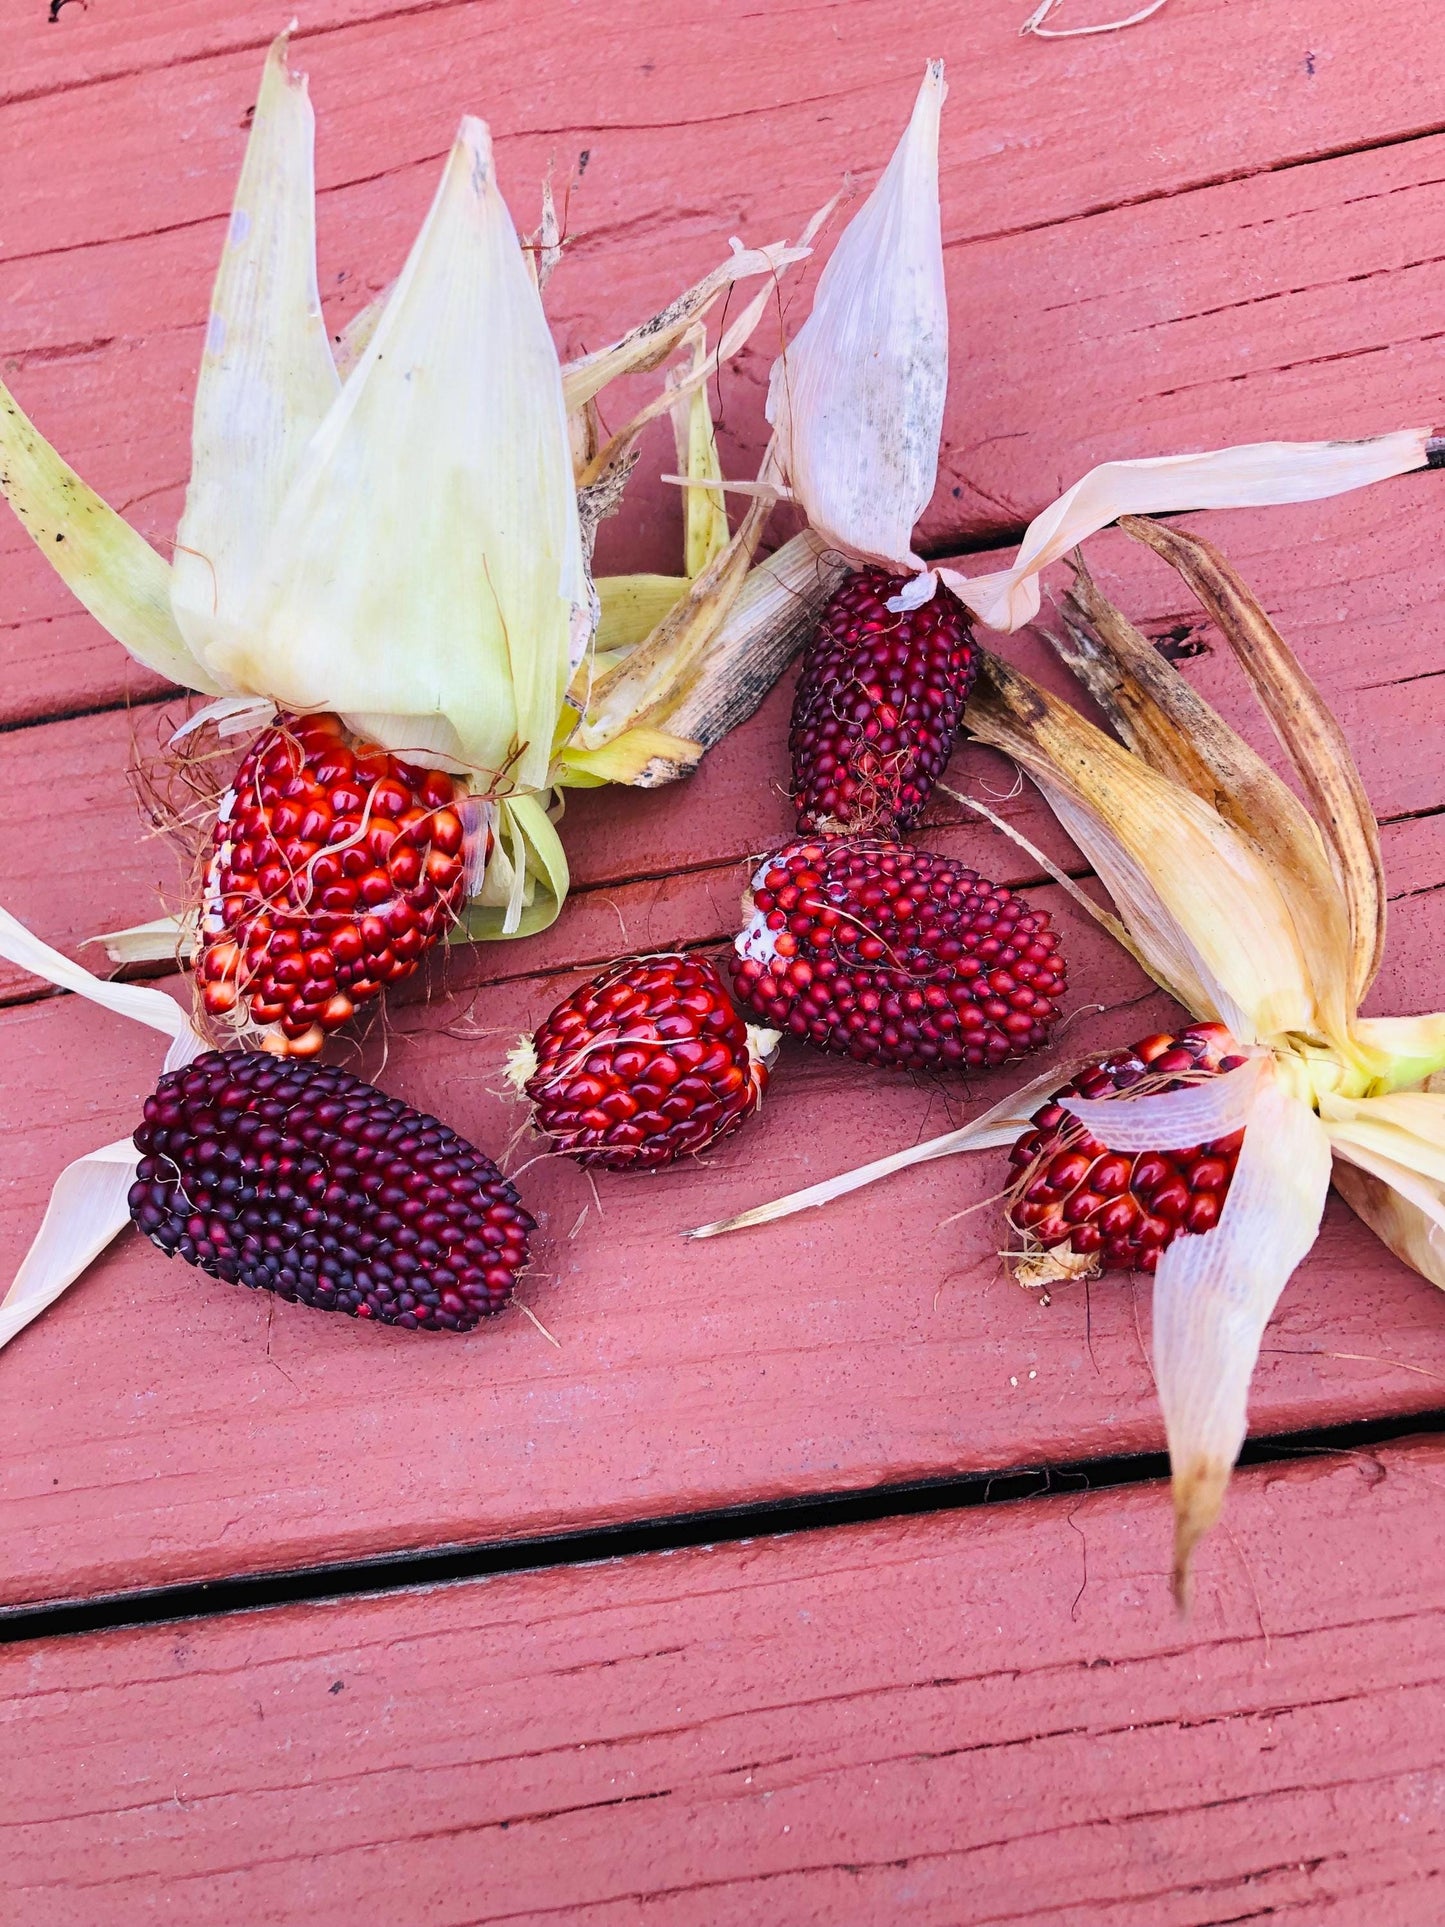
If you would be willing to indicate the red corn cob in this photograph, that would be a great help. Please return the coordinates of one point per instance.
(334, 867)
(648, 1063)
(896, 956)
(300, 1179)
(1123, 1209)
(879, 702)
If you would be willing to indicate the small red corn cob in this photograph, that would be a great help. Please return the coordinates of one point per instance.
(300, 1179)
(648, 1063)
(1123, 1209)
(896, 956)
(879, 703)
(334, 867)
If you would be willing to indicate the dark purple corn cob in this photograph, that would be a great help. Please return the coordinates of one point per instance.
(879, 702)
(297, 1178)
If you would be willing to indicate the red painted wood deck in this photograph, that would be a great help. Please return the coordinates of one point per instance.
(1220, 225)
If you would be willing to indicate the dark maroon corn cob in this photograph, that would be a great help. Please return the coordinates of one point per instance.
(896, 956)
(879, 702)
(298, 1178)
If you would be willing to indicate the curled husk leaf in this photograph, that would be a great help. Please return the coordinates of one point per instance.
(88, 1205)
(1252, 910)
(1254, 475)
(400, 531)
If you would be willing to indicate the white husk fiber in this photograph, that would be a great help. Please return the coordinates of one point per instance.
(857, 397)
(1256, 475)
(1171, 1120)
(88, 1202)
(1213, 1296)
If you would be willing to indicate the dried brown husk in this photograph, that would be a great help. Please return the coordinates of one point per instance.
(1250, 910)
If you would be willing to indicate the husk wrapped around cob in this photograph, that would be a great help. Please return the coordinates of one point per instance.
(1255, 912)
(398, 527)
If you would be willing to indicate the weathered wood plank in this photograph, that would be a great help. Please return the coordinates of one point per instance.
(1229, 294)
(1040, 134)
(1357, 585)
(958, 1720)
(158, 1425)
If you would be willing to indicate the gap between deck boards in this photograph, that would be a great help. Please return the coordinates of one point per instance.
(445, 1565)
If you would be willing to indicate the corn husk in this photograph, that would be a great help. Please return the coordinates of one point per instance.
(1251, 910)
(401, 531)
(88, 1206)
(856, 399)
(857, 403)
(1255, 475)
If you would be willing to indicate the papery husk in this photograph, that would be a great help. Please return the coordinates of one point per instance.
(1408, 1229)
(704, 511)
(1202, 908)
(1164, 1120)
(1214, 1293)
(856, 399)
(171, 939)
(994, 1129)
(109, 568)
(642, 685)
(526, 879)
(1308, 732)
(632, 607)
(88, 1206)
(1253, 475)
(1164, 721)
(429, 539)
(653, 341)
(774, 612)
(267, 381)
(628, 693)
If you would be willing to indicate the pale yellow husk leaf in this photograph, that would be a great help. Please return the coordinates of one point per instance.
(1214, 1293)
(1201, 906)
(704, 513)
(632, 607)
(426, 566)
(526, 880)
(651, 343)
(267, 378)
(1343, 819)
(110, 569)
(1163, 720)
(646, 684)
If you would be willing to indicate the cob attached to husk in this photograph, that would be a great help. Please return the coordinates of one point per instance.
(857, 404)
(1265, 919)
(388, 541)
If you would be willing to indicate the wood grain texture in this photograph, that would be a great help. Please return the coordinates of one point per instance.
(160, 1426)
(1125, 279)
(956, 1721)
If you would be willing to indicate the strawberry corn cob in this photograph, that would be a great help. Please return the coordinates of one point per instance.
(879, 702)
(335, 866)
(896, 956)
